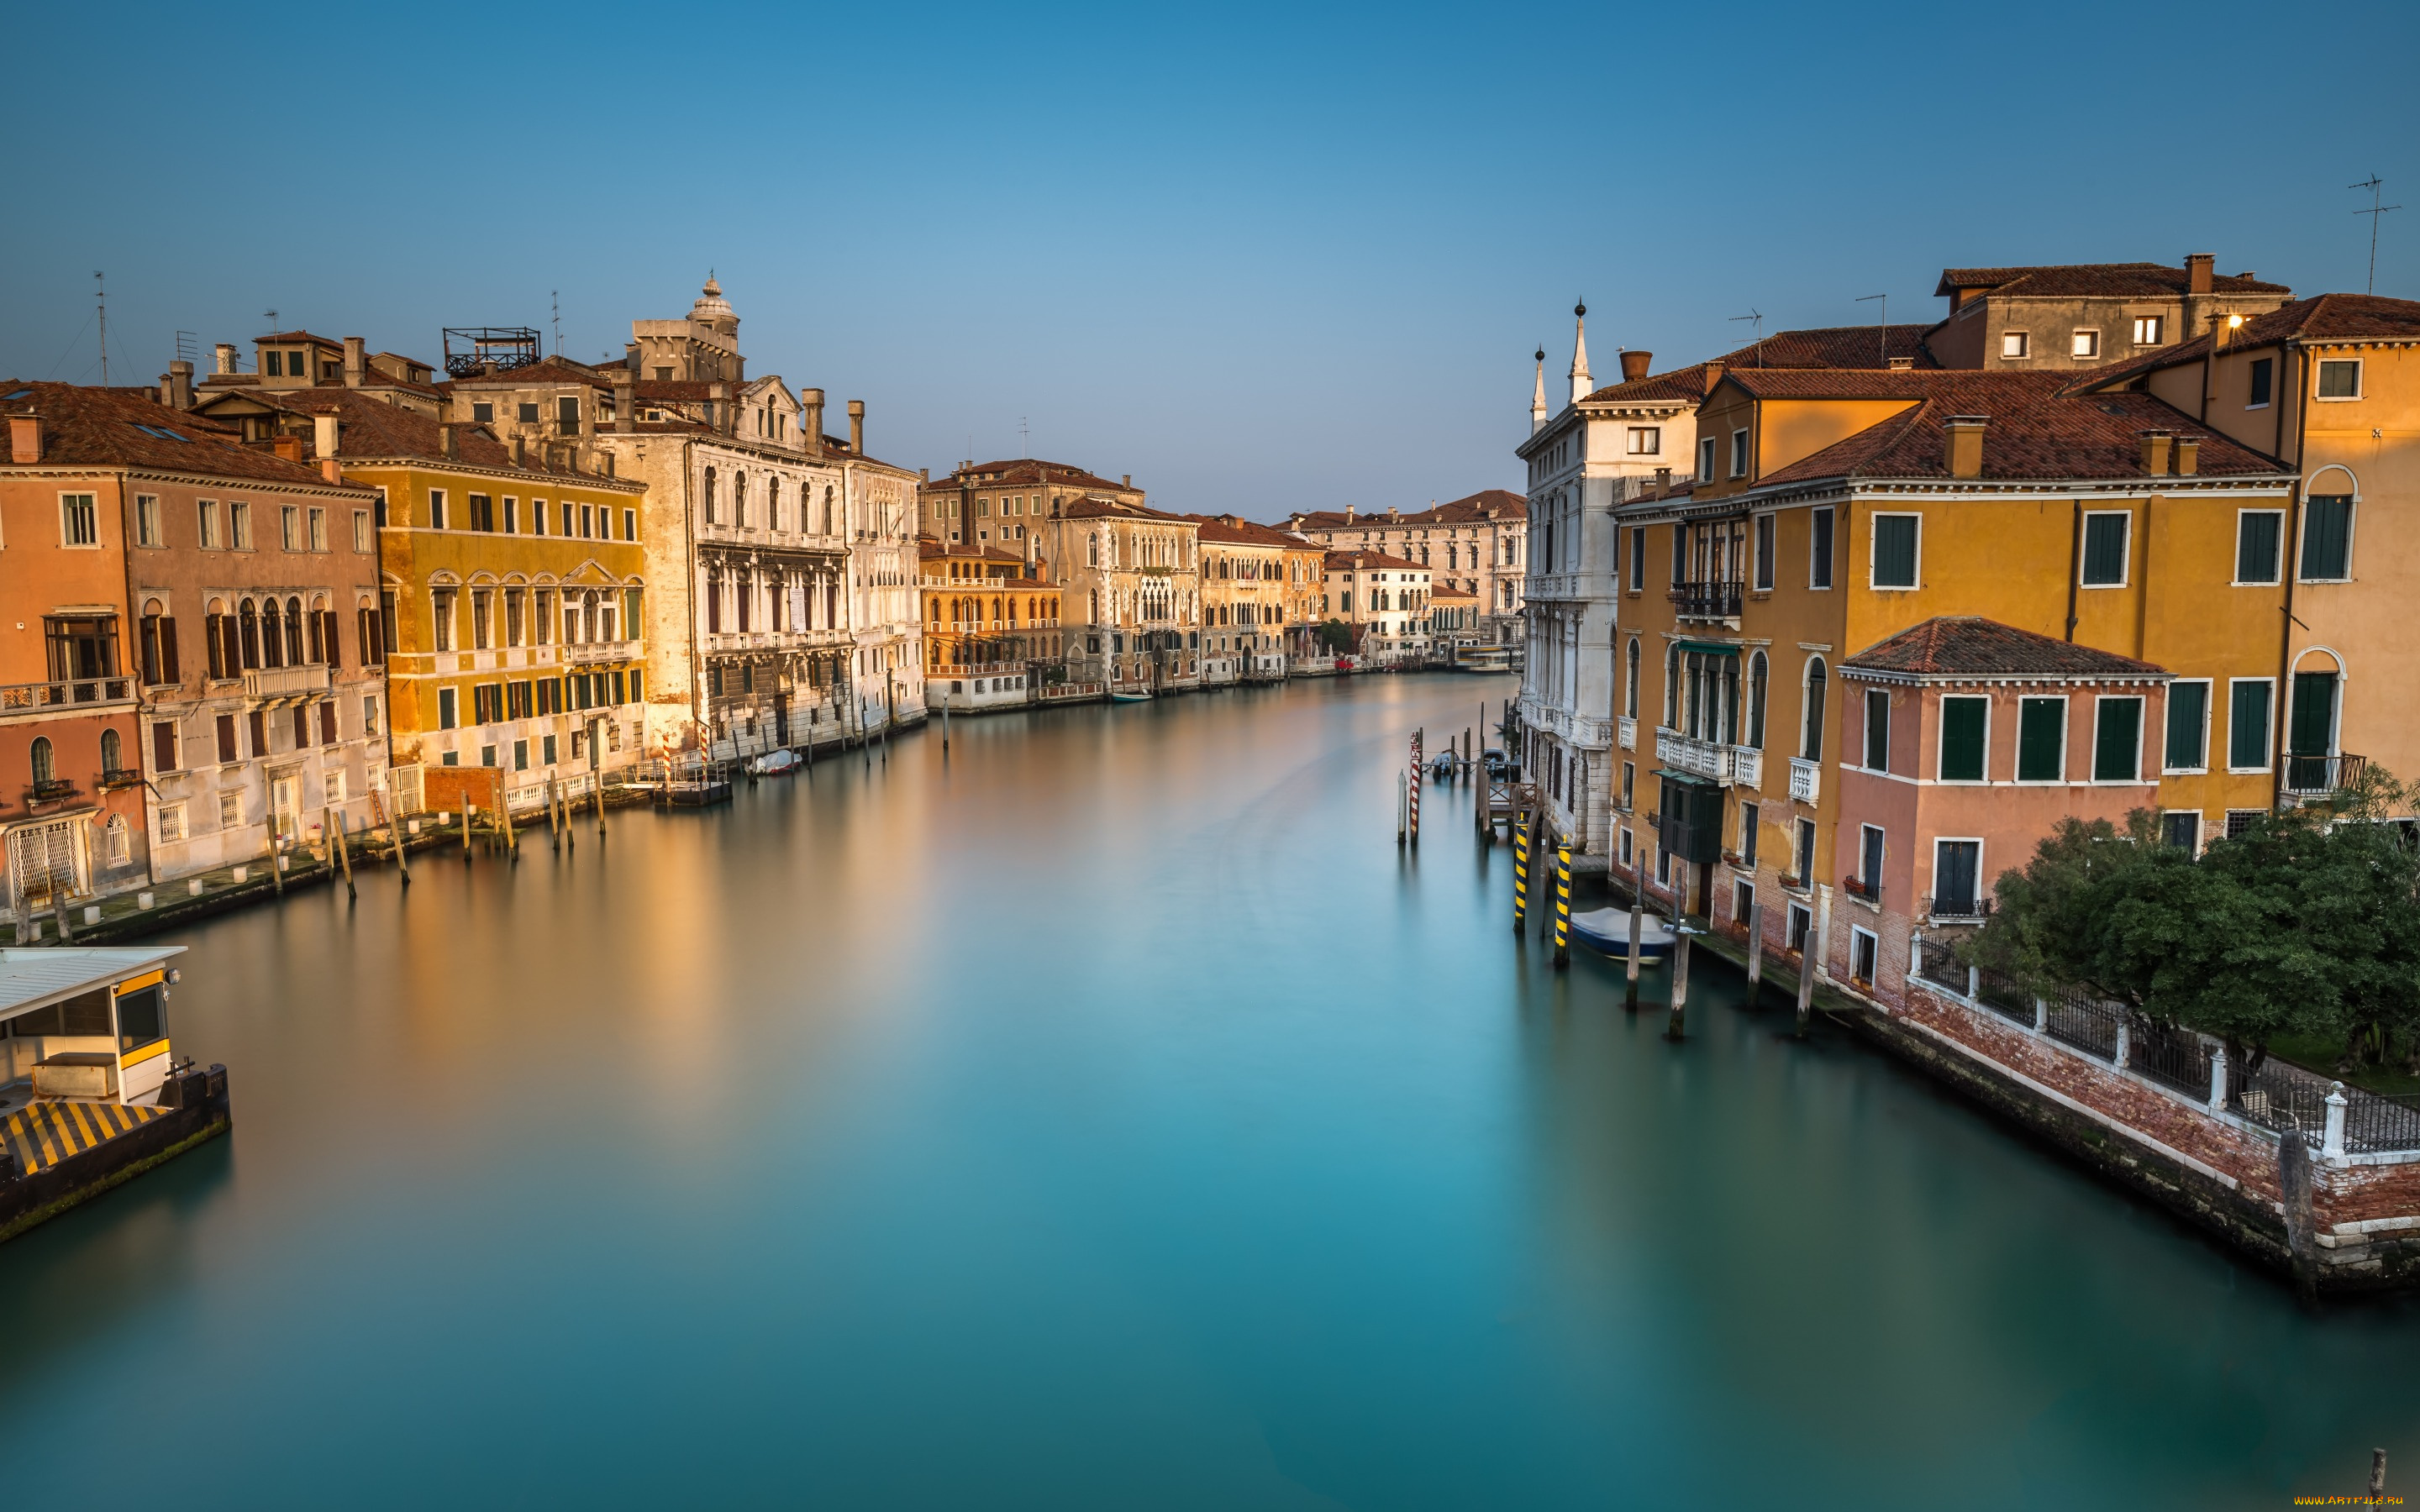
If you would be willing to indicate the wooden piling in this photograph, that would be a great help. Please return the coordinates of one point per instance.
(1563, 906)
(554, 819)
(1676, 1024)
(2294, 1194)
(1630, 983)
(395, 834)
(1755, 950)
(468, 809)
(1806, 981)
(334, 824)
(597, 778)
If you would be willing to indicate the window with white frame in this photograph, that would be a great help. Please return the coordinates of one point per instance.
(1819, 547)
(1877, 729)
(2118, 738)
(2340, 379)
(1646, 441)
(2150, 330)
(2248, 704)
(1739, 454)
(2084, 344)
(2041, 740)
(1896, 546)
(1764, 539)
(2012, 344)
(2186, 746)
(2257, 535)
(146, 519)
(1706, 459)
(2182, 829)
(2105, 535)
(206, 513)
(79, 520)
(1957, 878)
(1965, 725)
(2327, 538)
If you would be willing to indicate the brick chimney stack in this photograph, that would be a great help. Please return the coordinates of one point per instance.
(355, 360)
(1635, 365)
(25, 438)
(856, 426)
(2197, 269)
(811, 419)
(1964, 443)
(626, 401)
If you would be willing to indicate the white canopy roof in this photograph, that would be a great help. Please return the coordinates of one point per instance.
(32, 979)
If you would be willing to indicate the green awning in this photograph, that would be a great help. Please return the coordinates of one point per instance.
(1691, 777)
(1710, 648)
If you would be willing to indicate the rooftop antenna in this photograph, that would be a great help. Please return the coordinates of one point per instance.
(557, 297)
(189, 345)
(1026, 431)
(1884, 339)
(1757, 315)
(270, 316)
(101, 303)
(2375, 211)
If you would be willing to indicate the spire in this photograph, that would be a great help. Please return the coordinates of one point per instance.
(1581, 386)
(1538, 397)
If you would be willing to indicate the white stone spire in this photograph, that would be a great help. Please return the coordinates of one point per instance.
(1538, 396)
(1582, 386)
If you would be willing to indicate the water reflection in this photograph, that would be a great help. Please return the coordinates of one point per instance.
(1111, 1115)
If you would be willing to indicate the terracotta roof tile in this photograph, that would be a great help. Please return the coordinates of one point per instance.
(2320, 319)
(1836, 346)
(548, 371)
(95, 427)
(2104, 279)
(1026, 471)
(1471, 510)
(1953, 646)
(1371, 560)
(371, 430)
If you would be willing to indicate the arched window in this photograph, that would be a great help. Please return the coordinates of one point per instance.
(827, 509)
(112, 750)
(739, 500)
(709, 496)
(45, 766)
(1756, 681)
(294, 632)
(713, 607)
(1093, 552)
(1630, 682)
(1811, 738)
(120, 842)
(773, 503)
(272, 639)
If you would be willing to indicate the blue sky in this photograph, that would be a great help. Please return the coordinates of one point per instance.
(1261, 257)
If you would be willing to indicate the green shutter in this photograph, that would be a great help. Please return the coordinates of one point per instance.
(2247, 724)
(2104, 550)
(1961, 739)
(2188, 713)
(2314, 714)
(2041, 740)
(2327, 534)
(1894, 550)
(1877, 731)
(2118, 741)
(2255, 547)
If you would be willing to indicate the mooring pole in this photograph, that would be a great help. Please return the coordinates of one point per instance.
(1417, 754)
(553, 815)
(1563, 906)
(1755, 949)
(335, 822)
(1630, 972)
(1403, 808)
(1676, 1023)
(1520, 872)
(1806, 981)
(468, 809)
(394, 833)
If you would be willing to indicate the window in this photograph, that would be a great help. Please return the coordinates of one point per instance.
(2118, 740)
(207, 510)
(527, 412)
(2327, 538)
(1638, 559)
(436, 509)
(230, 810)
(1630, 681)
(483, 512)
(1957, 867)
(1802, 924)
(2311, 723)
(1895, 550)
(512, 516)
(1739, 454)
(171, 824)
(2182, 829)
(2257, 534)
(1749, 822)
(80, 647)
(481, 610)
(146, 519)
(1680, 554)
(1819, 549)
(1869, 859)
(226, 733)
(1877, 729)
(1963, 722)
(2340, 379)
(79, 520)
(2259, 399)
(2150, 330)
(2084, 344)
(566, 418)
(1706, 460)
(318, 521)
(163, 745)
(2104, 550)
(1646, 441)
(483, 411)
(1756, 680)
(2041, 740)
(2012, 344)
(361, 529)
(1765, 536)
(240, 524)
(2187, 747)
(441, 601)
(290, 528)
(1803, 858)
(629, 525)
(1811, 734)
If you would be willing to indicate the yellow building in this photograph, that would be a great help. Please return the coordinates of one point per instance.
(992, 635)
(1246, 598)
(1832, 510)
(512, 594)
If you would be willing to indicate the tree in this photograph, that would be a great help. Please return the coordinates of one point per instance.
(1336, 637)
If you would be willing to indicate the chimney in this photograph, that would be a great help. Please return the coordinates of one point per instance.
(288, 447)
(354, 361)
(1714, 375)
(856, 426)
(2197, 265)
(1348, 514)
(1965, 444)
(225, 351)
(923, 474)
(25, 438)
(1635, 365)
(1393, 512)
(626, 402)
(811, 418)
(1125, 480)
(1663, 480)
(449, 445)
(520, 448)
(2188, 456)
(323, 435)
(2222, 331)
(718, 411)
(180, 384)
(2155, 452)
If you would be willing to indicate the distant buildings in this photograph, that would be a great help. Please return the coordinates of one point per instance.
(1477, 544)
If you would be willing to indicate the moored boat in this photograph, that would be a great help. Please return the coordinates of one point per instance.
(1606, 930)
(1129, 698)
(774, 764)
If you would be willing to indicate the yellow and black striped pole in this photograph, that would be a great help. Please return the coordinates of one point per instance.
(1520, 872)
(1563, 906)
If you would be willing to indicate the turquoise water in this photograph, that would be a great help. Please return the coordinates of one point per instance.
(1109, 1117)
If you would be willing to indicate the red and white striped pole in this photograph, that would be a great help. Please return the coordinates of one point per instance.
(1415, 788)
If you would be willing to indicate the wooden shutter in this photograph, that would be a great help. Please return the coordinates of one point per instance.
(1961, 738)
(2313, 716)
(2118, 740)
(327, 721)
(2041, 740)
(163, 745)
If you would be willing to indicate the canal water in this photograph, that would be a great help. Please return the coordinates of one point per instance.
(1108, 1116)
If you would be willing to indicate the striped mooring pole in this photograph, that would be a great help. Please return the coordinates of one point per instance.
(1416, 790)
(1520, 872)
(1563, 906)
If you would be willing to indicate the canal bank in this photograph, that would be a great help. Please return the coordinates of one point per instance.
(1111, 1116)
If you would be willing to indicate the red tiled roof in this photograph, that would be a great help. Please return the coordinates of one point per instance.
(2034, 431)
(2103, 280)
(1219, 530)
(370, 429)
(550, 370)
(1836, 346)
(1838, 382)
(1091, 508)
(95, 427)
(2322, 318)
(1967, 645)
(1685, 385)
(1026, 471)
(298, 335)
(1471, 510)
(1360, 561)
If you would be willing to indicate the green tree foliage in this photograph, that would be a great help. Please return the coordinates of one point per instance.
(2305, 924)
(1336, 637)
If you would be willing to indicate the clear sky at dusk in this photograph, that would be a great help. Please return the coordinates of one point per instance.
(1260, 259)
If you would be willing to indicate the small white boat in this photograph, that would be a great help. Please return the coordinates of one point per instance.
(1129, 698)
(774, 764)
(1606, 930)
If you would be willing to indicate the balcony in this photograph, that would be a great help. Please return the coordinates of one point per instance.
(1859, 888)
(285, 681)
(1699, 758)
(1707, 601)
(1628, 729)
(2316, 777)
(1806, 782)
(1968, 910)
(85, 691)
(584, 652)
(1747, 766)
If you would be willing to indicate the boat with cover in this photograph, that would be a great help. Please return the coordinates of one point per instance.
(1606, 930)
(780, 762)
(1129, 698)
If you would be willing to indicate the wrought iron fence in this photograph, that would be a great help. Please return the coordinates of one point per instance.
(2282, 1097)
(2170, 1056)
(2002, 996)
(2375, 1121)
(1937, 963)
(2087, 1023)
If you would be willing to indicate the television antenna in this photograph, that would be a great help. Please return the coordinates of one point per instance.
(555, 297)
(2372, 183)
(1026, 432)
(1757, 317)
(1884, 354)
(101, 305)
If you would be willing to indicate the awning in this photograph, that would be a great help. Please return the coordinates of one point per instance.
(1691, 777)
(1711, 648)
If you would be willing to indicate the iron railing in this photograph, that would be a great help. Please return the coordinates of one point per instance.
(2087, 1023)
(1937, 963)
(1707, 600)
(2317, 776)
(1969, 907)
(2172, 1057)
(2003, 996)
